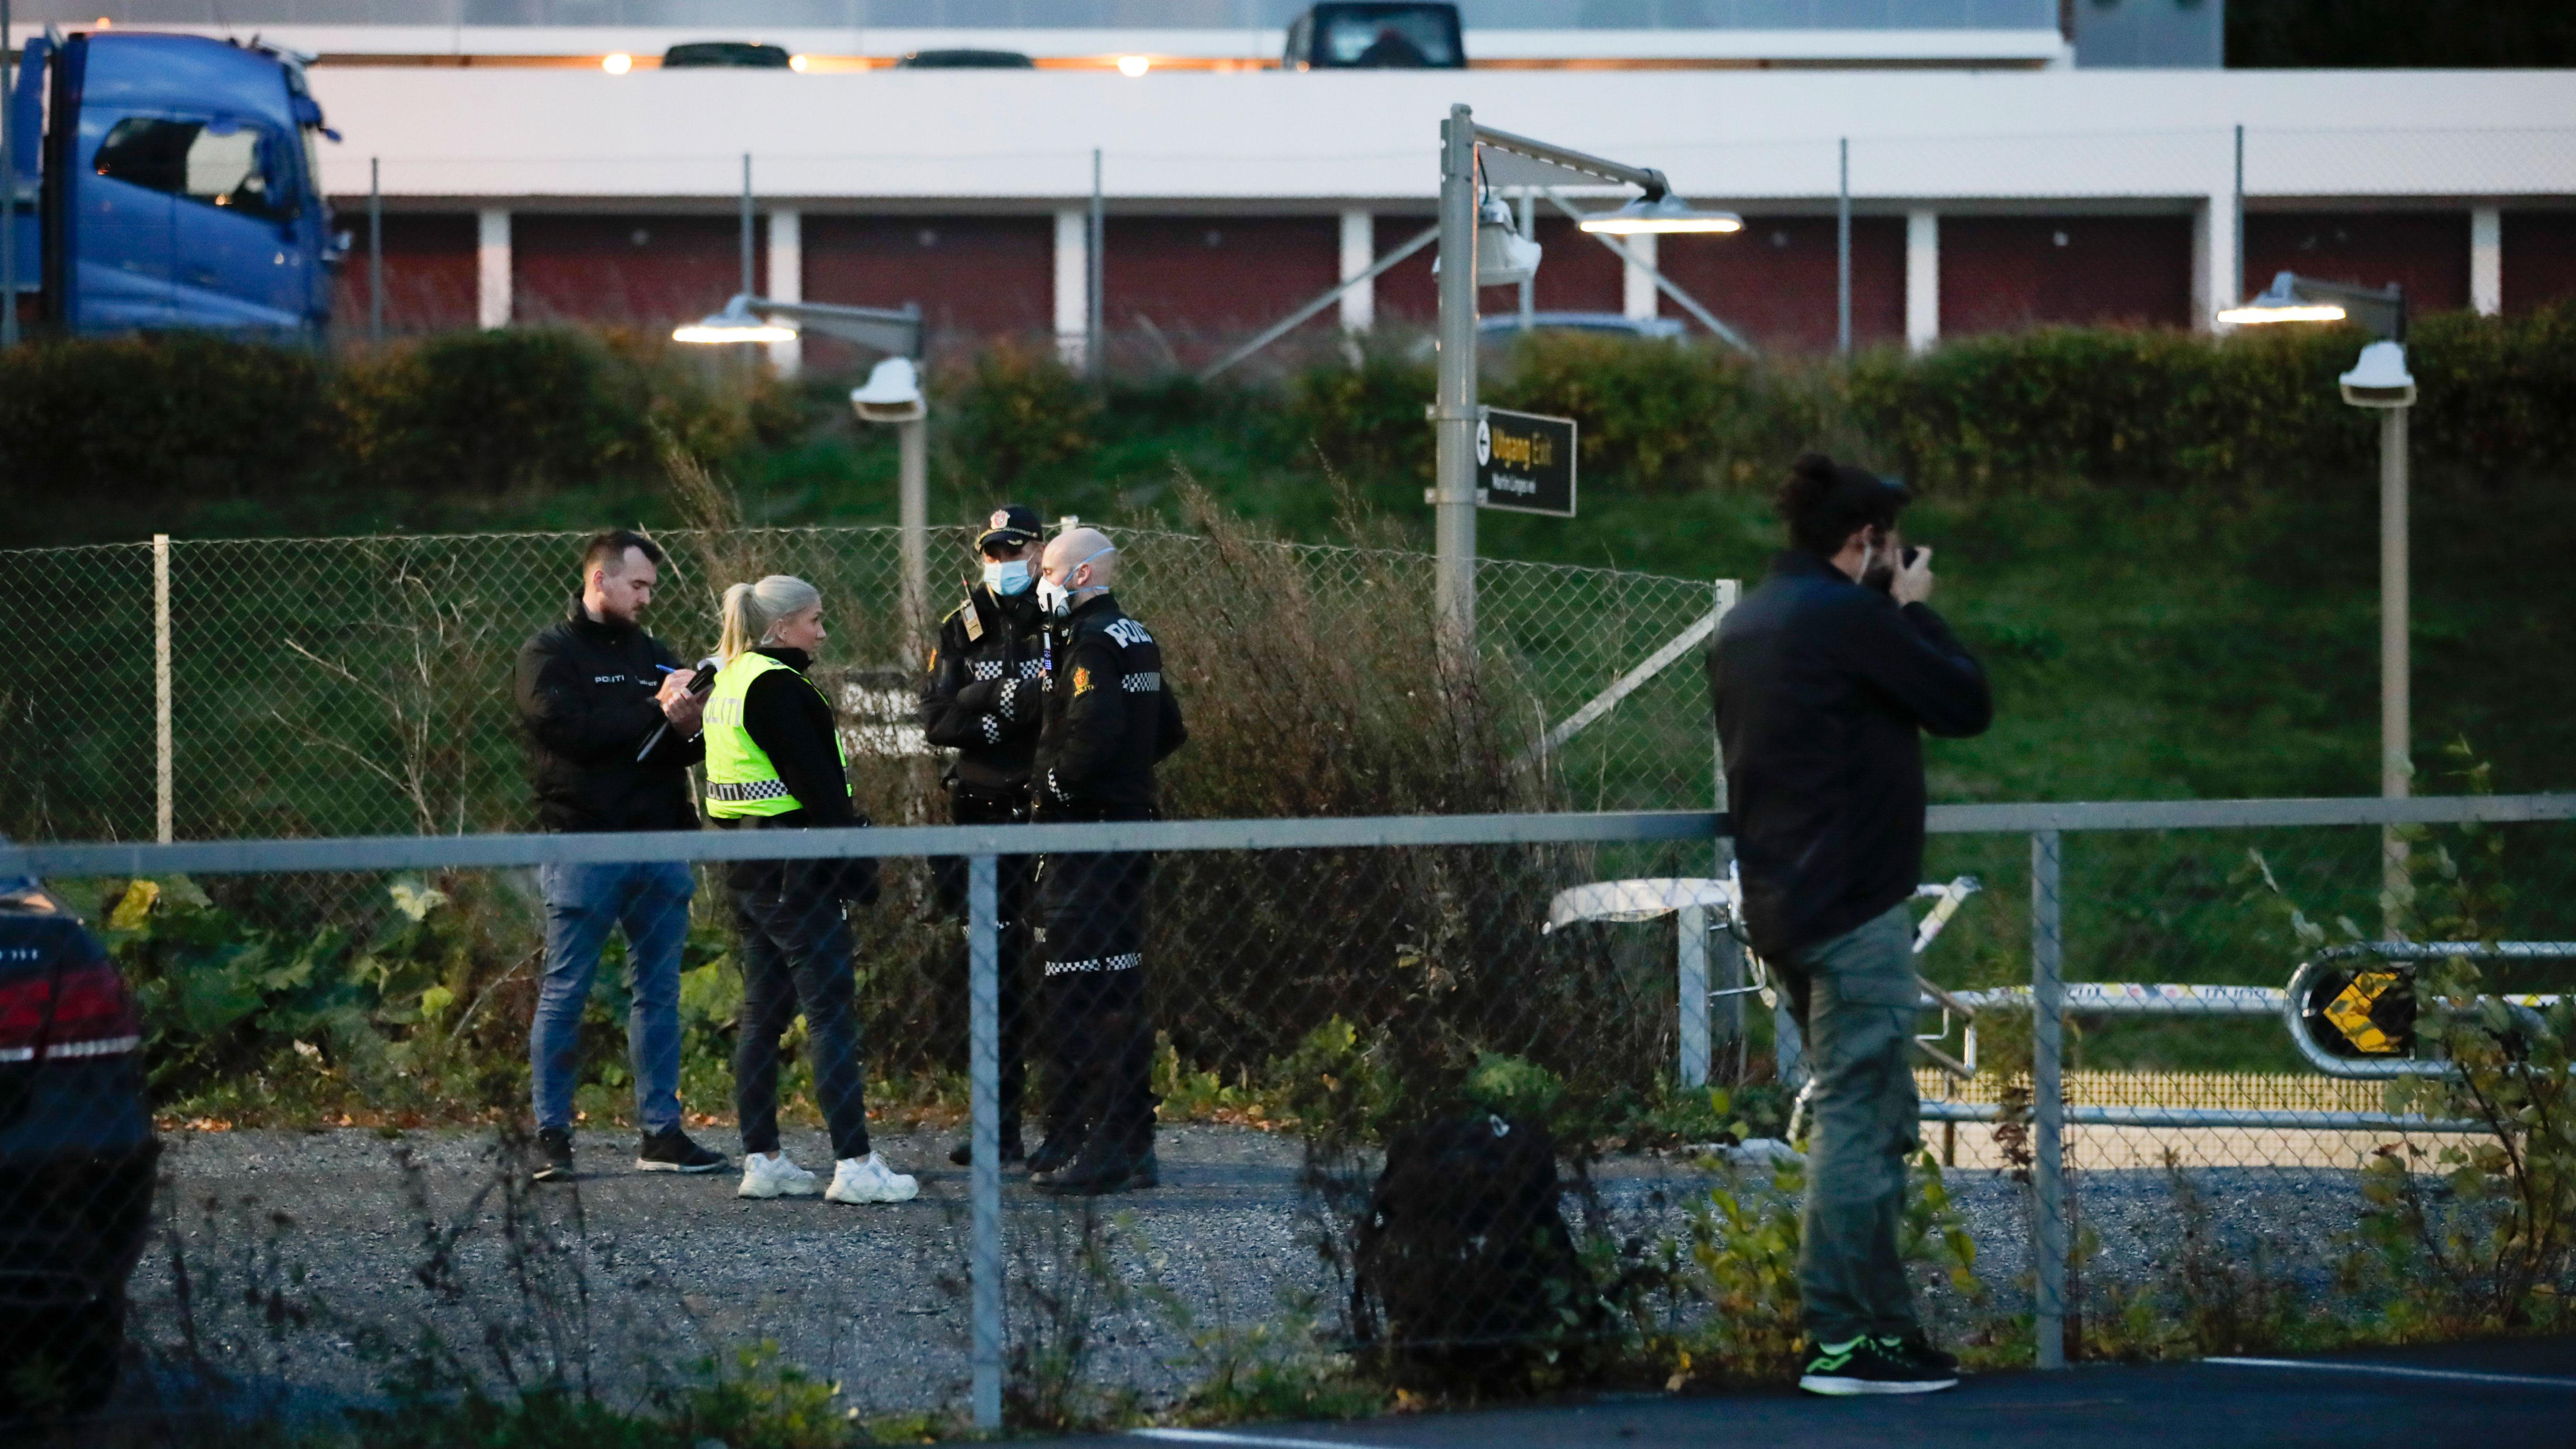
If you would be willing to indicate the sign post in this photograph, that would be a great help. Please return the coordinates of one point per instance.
(1524, 463)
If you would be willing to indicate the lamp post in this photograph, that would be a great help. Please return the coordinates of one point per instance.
(2379, 380)
(1480, 248)
(891, 395)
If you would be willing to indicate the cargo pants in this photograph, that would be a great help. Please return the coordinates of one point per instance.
(1856, 994)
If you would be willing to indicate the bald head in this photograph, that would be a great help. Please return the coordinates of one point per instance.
(1082, 560)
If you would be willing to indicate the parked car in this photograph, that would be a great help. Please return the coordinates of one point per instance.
(965, 60)
(77, 1155)
(1375, 36)
(736, 54)
(1499, 325)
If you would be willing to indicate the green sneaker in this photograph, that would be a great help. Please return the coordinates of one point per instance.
(1873, 1366)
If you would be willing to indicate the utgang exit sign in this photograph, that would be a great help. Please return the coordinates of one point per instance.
(1524, 462)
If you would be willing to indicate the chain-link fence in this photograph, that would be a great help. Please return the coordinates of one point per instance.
(362, 685)
(1431, 1119)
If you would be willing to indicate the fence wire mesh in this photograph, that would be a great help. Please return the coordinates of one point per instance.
(1337, 1039)
(360, 686)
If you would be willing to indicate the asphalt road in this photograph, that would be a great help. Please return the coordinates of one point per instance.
(2519, 1395)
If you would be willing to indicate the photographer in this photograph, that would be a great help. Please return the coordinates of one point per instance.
(1824, 679)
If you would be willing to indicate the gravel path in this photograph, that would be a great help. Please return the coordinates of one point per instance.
(675, 1270)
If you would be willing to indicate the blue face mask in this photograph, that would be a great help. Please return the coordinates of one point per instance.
(1008, 580)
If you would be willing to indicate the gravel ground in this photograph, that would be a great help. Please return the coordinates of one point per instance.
(676, 1269)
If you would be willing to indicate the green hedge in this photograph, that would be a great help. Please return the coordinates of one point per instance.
(2498, 399)
(176, 418)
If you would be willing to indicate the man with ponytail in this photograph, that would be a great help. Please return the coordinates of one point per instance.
(1826, 678)
(774, 761)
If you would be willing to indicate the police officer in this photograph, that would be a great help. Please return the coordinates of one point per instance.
(1110, 719)
(985, 684)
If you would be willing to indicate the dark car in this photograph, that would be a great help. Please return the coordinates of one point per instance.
(77, 1154)
(738, 54)
(965, 60)
(1618, 324)
(1375, 36)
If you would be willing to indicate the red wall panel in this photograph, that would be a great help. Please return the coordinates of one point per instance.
(2004, 273)
(1407, 292)
(974, 277)
(2539, 259)
(2426, 252)
(1201, 282)
(645, 271)
(1775, 280)
(430, 273)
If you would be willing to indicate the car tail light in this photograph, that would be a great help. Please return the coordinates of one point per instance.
(83, 1011)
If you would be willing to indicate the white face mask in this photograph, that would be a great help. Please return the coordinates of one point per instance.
(1008, 579)
(1056, 598)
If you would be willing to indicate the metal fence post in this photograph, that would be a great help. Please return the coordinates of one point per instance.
(2047, 1102)
(375, 251)
(1691, 962)
(984, 1073)
(1842, 251)
(161, 741)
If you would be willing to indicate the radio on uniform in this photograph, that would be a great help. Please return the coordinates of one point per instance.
(1524, 462)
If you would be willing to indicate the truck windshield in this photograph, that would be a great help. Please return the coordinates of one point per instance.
(1395, 37)
(215, 163)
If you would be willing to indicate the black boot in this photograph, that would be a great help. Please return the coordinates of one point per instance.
(1113, 1160)
(963, 1154)
(1059, 1147)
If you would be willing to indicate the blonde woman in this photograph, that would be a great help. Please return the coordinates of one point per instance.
(774, 761)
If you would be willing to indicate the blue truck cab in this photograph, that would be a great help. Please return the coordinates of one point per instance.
(176, 183)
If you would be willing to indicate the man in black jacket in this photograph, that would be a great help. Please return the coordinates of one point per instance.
(1825, 678)
(592, 689)
(1110, 718)
(981, 697)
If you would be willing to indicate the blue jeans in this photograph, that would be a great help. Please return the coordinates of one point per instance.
(582, 903)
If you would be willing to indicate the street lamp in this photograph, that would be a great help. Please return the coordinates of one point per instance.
(891, 395)
(2379, 380)
(1479, 248)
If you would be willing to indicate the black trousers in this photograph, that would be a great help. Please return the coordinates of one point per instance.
(1100, 1037)
(1013, 879)
(796, 949)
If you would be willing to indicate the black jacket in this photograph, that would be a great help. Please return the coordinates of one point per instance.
(984, 692)
(1110, 717)
(791, 721)
(585, 695)
(1822, 688)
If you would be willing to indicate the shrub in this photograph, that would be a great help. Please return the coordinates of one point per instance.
(1364, 421)
(1020, 413)
(1662, 417)
(159, 418)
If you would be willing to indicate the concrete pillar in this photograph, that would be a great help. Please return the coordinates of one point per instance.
(492, 268)
(1359, 253)
(787, 281)
(2217, 261)
(1922, 279)
(1637, 295)
(1072, 284)
(2486, 260)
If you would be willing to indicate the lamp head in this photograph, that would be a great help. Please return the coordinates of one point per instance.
(736, 323)
(2379, 379)
(892, 393)
(1660, 212)
(2282, 302)
(1504, 257)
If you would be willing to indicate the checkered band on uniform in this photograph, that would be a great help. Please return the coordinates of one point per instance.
(1125, 961)
(748, 790)
(1143, 681)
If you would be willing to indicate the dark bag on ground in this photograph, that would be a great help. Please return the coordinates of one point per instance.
(1462, 1264)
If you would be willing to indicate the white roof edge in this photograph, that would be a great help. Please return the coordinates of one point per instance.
(1253, 43)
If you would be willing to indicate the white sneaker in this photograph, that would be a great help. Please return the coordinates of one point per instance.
(775, 1174)
(868, 1179)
